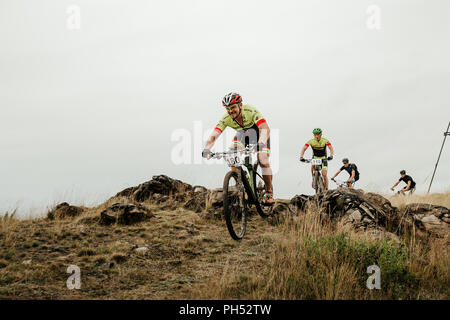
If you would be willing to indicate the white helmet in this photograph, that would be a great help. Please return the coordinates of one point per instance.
(231, 99)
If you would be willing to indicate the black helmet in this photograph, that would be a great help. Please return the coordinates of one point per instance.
(403, 172)
(345, 160)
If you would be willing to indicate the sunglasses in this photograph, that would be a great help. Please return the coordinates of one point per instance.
(231, 107)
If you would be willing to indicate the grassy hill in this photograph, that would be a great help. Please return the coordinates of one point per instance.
(181, 254)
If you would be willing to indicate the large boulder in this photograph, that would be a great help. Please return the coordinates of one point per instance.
(64, 210)
(300, 201)
(282, 210)
(171, 194)
(197, 201)
(430, 218)
(161, 184)
(202, 200)
(354, 206)
(124, 213)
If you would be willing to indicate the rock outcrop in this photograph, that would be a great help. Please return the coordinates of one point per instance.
(124, 213)
(349, 205)
(371, 211)
(64, 210)
(171, 194)
(362, 211)
(430, 218)
(162, 185)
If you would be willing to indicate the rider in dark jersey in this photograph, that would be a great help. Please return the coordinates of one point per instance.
(410, 184)
(352, 171)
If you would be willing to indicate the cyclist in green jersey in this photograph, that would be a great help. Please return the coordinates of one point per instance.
(319, 145)
(251, 128)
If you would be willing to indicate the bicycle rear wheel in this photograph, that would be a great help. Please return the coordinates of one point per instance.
(234, 205)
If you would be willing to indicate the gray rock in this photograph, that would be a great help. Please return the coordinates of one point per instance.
(64, 210)
(429, 218)
(141, 250)
(354, 216)
(124, 213)
(199, 189)
(161, 184)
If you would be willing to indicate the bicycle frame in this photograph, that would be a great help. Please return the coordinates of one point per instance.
(249, 180)
(252, 174)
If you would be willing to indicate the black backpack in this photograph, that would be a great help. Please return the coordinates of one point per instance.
(356, 171)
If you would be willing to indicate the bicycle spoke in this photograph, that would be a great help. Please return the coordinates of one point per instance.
(235, 209)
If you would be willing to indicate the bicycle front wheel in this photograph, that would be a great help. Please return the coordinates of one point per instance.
(318, 182)
(234, 205)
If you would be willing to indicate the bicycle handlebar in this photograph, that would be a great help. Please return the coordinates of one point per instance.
(251, 148)
(339, 183)
(309, 160)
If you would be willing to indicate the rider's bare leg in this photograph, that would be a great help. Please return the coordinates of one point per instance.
(349, 184)
(263, 160)
(325, 178)
(312, 176)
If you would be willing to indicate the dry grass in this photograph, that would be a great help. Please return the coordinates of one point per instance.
(184, 250)
(439, 199)
(190, 257)
(8, 225)
(312, 259)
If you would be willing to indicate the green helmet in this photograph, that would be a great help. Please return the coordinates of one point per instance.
(317, 131)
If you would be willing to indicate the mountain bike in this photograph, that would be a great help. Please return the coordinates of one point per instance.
(318, 182)
(243, 188)
(340, 184)
(402, 193)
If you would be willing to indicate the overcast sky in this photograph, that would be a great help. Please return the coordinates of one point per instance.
(88, 112)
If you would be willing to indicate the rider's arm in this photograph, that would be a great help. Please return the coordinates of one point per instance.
(396, 184)
(212, 138)
(302, 152)
(331, 149)
(408, 186)
(265, 132)
(353, 175)
(336, 174)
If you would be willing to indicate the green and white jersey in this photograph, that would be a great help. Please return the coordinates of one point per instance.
(250, 117)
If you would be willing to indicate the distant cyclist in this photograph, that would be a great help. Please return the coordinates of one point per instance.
(319, 145)
(410, 184)
(352, 171)
(251, 128)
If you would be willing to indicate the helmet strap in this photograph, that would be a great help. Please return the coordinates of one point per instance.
(235, 119)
